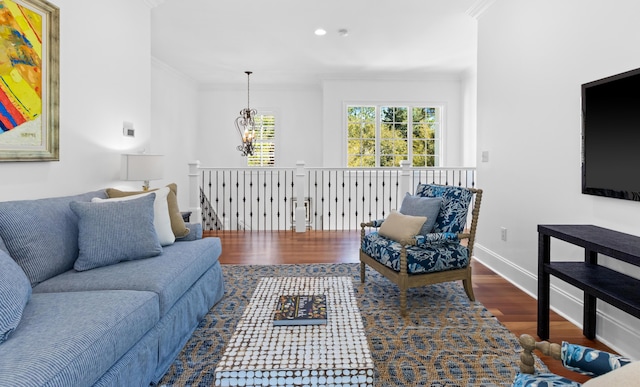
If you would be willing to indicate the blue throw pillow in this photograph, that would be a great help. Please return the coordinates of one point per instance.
(111, 232)
(41, 235)
(15, 291)
(421, 206)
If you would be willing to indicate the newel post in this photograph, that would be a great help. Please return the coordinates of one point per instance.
(194, 192)
(300, 215)
(405, 178)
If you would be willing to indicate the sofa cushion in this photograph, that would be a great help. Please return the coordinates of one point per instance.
(15, 291)
(42, 235)
(422, 206)
(446, 255)
(169, 275)
(72, 339)
(161, 219)
(177, 222)
(112, 232)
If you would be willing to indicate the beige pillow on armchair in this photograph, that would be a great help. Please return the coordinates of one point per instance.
(401, 227)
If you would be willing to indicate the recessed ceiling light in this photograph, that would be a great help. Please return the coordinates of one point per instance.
(320, 32)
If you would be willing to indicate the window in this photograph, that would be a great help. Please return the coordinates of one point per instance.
(382, 136)
(264, 143)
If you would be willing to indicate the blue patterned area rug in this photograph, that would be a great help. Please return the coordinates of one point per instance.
(446, 340)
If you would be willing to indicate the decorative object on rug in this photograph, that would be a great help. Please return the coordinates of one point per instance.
(584, 360)
(245, 125)
(437, 256)
(29, 75)
(445, 339)
(301, 309)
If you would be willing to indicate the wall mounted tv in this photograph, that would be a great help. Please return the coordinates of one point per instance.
(611, 136)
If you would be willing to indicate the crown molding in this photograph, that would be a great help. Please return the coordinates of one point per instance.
(479, 7)
(152, 3)
(163, 66)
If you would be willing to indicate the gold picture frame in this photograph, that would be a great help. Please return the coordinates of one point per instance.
(29, 80)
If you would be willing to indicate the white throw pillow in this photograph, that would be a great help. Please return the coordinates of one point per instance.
(161, 219)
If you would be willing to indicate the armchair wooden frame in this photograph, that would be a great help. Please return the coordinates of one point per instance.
(406, 281)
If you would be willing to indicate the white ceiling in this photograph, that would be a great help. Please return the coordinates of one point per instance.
(215, 41)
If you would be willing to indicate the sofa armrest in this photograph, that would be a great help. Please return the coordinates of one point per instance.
(195, 232)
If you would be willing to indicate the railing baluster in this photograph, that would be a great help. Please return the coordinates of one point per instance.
(337, 199)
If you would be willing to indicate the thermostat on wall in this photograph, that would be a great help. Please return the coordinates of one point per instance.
(128, 130)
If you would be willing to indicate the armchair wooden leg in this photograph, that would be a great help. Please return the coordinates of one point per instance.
(363, 270)
(403, 302)
(468, 286)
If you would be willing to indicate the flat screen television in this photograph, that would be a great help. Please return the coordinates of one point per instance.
(611, 136)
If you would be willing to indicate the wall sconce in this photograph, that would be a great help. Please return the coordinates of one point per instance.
(141, 167)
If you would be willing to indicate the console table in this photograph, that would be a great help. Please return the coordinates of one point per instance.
(610, 286)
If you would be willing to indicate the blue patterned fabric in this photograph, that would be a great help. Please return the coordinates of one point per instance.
(111, 232)
(42, 235)
(15, 291)
(441, 256)
(455, 206)
(589, 361)
(543, 380)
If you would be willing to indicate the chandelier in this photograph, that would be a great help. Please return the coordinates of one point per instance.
(245, 126)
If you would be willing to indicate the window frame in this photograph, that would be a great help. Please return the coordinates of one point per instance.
(440, 131)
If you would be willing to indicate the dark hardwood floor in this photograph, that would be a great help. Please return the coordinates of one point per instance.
(513, 307)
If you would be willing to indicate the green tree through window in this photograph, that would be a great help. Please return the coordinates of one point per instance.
(264, 154)
(382, 136)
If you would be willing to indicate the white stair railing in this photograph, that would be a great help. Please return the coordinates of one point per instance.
(302, 198)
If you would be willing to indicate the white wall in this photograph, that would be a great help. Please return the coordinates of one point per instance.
(298, 112)
(104, 80)
(338, 93)
(532, 59)
(174, 122)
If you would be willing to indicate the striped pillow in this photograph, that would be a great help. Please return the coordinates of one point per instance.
(15, 291)
(111, 232)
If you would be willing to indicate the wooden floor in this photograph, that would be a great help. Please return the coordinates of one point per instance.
(514, 308)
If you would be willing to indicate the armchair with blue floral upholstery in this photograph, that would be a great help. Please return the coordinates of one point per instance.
(440, 253)
(606, 368)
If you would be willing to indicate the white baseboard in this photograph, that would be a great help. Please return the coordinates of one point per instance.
(617, 331)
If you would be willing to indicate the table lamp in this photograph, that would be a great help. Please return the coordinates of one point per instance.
(141, 166)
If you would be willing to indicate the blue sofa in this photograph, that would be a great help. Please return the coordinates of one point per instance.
(118, 324)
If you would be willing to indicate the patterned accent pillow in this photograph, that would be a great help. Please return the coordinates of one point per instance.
(112, 232)
(180, 230)
(589, 361)
(422, 206)
(624, 376)
(455, 206)
(15, 291)
(161, 219)
(399, 227)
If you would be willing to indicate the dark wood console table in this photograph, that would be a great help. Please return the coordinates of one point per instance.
(612, 287)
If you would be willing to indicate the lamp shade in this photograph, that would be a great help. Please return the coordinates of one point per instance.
(141, 167)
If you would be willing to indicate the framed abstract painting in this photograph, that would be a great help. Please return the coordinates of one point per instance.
(29, 80)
